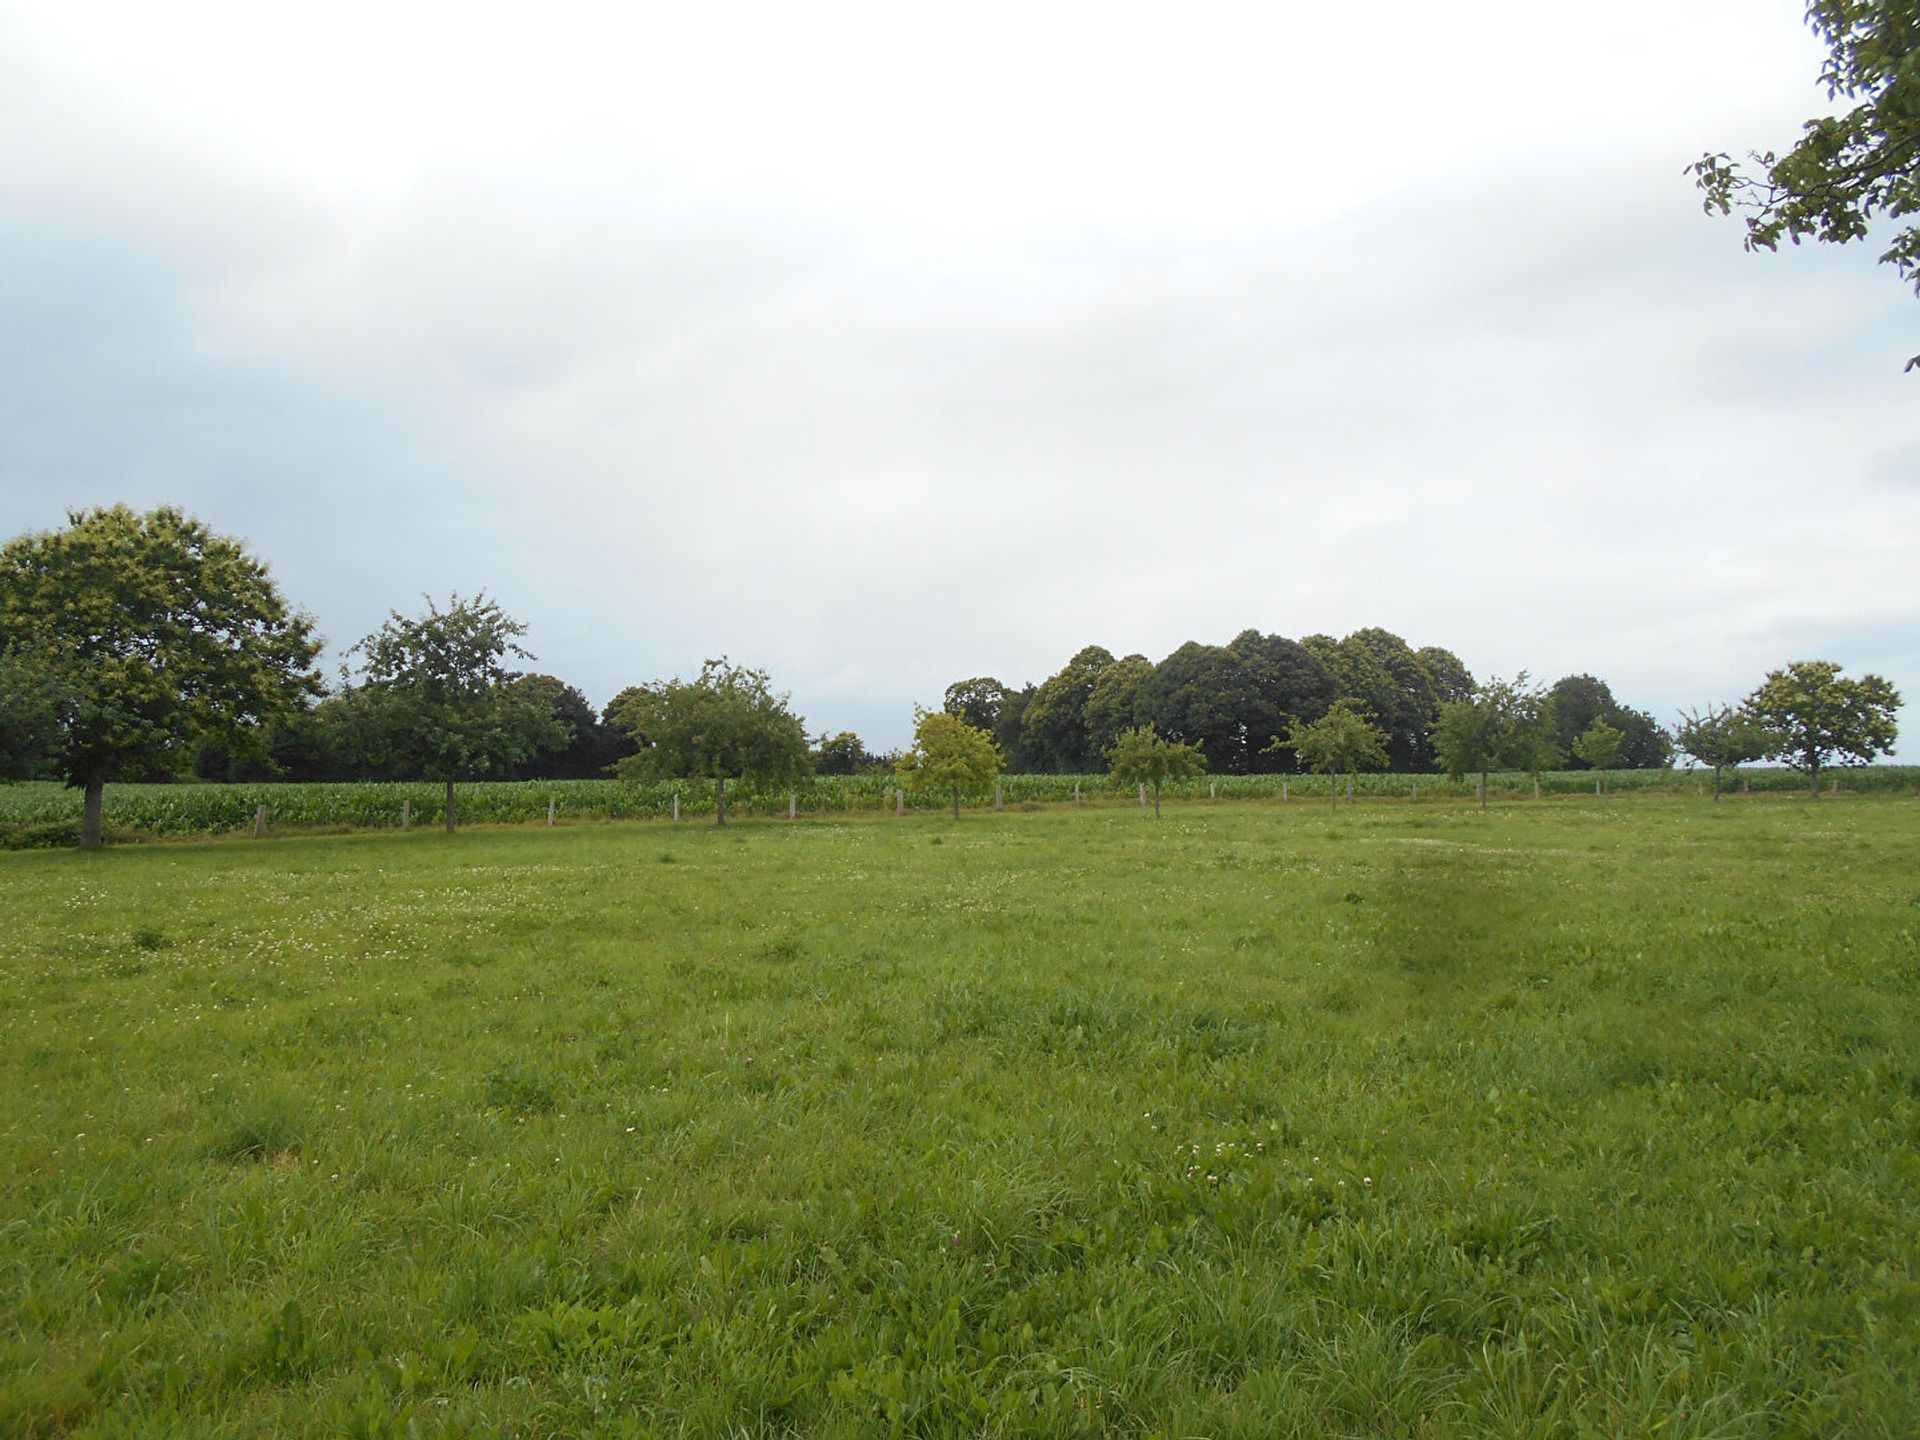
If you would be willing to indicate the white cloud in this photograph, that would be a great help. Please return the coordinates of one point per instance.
(884, 349)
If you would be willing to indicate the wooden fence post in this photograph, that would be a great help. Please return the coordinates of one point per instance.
(676, 807)
(1480, 790)
(1285, 787)
(259, 822)
(1536, 787)
(1213, 790)
(1746, 786)
(899, 802)
(1076, 792)
(549, 812)
(793, 800)
(1143, 794)
(996, 796)
(406, 814)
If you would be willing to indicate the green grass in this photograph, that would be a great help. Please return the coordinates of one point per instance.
(1571, 1119)
(42, 814)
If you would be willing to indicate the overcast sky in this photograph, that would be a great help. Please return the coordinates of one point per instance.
(886, 345)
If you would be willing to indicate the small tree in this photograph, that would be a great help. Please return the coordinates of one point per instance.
(948, 754)
(1600, 747)
(1342, 740)
(727, 724)
(1502, 723)
(438, 700)
(1140, 756)
(1814, 716)
(1722, 738)
(157, 635)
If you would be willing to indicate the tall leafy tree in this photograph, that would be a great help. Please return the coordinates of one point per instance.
(1579, 700)
(438, 700)
(1054, 722)
(842, 754)
(591, 747)
(1849, 171)
(1203, 695)
(948, 754)
(1113, 703)
(1379, 671)
(159, 634)
(1720, 737)
(978, 701)
(1341, 741)
(1813, 717)
(1289, 683)
(1142, 757)
(726, 724)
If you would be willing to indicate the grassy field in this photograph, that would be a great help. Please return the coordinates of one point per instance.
(43, 813)
(1569, 1119)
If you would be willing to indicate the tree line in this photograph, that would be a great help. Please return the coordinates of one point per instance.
(142, 645)
(1230, 702)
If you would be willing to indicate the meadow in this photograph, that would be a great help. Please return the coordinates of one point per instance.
(47, 814)
(1572, 1118)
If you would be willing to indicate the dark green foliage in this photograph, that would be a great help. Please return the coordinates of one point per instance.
(979, 701)
(31, 699)
(1576, 701)
(1204, 696)
(592, 746)
(1721, 738)
(844, 754)
(1054, 720)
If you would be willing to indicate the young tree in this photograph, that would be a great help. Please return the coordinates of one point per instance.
(1599, 747)
(1850, 170)
(1501, 723)
(948, 754)
(727, 724)
(1141, 756)
(438, 700)
(1723, 737)
(1814, 716)
(158, 635)
(1343, 739)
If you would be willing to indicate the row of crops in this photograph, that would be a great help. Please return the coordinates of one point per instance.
(44, 810)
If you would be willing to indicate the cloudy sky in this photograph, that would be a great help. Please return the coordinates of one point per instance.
(885, 345)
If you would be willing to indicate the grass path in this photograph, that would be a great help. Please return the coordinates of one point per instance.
(1567, 1119)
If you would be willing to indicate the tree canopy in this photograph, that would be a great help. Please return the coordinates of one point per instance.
(948, 754)
(725, 724)
(1721, 737)
(1497, 724)
(152, 635)
(1813, 716)
(438, 700)
(1848, 170)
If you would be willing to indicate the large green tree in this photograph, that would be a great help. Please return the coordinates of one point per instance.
(1850, 171)
(1054, 722)
(1288, 682)
(1576, 701)
(1142, 757)
(725, 724)
(1203, 695)
(1814, 716)
(978, 701)
(948, 754)
(591, 747)
(159, 635)
(438, 700)
(1113, 704)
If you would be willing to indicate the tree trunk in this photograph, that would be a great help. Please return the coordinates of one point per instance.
(1813, 778)
(720, 800)
(90, 829)
(1716, 782)
(451, 813)
(956, 802)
